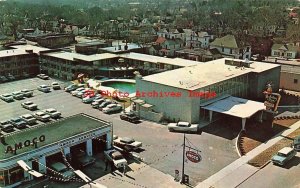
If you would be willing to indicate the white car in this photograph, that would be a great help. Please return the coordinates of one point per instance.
(88, 99)
(183, 126)
(18, 95)
(7, 97)
(44, 88)
(41, 116)
(74, 93)
(96, 103)
(27, 93)
(53, 113)
(29, 105)
(55, 85)
(29, 119)
(43, 76)
(112, 108)
(127, 143)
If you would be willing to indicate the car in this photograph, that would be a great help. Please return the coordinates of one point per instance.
(105, 103)
(283, 156)
(97, 102)
(296, 143)
(73, 87)
(63, 170)
(18, 123)
(128, 144)
(44, 88)
(29, 105)
(3, 79)
(6, 126)
(11, 77)
(89, 93)
(7, 97)
(18, 95)
(41, 116)
(98, 96)
(27, 93)
(88, 99)
(55, 85)
(29, 119)
(53, 113)
(82, 159)
(74, 93)
(111, 108)
(116, 157)
(43, 76)
(182, 126)
(130, 116)
(81, 93)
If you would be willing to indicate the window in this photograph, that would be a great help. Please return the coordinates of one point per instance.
(289, 54)
(295, 81)
(222, 49)
(230, 51)
(276, 53)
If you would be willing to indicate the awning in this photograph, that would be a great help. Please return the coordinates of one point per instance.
(235, 106)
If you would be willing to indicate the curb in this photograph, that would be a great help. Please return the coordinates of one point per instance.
(264, 165)
(237, 144)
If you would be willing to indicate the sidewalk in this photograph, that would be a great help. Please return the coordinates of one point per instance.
(146, 177)
(238, 171)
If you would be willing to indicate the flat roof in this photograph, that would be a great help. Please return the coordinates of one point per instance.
(235, 106)
(73, 56)
(205, 74)
(56, 131)
(36, 49)
(157, 59)
(116, 48)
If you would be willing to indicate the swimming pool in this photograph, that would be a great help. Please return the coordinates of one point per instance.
(121, 86)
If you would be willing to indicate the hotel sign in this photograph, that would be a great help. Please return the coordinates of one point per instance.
(272, 101)
(26, 143)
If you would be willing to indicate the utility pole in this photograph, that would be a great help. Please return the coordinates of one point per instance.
(183, 160)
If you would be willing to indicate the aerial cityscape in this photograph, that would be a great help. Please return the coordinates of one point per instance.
(149, 93)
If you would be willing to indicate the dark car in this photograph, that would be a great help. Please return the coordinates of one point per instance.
(82, 159)
(3, 79)
(6, 126)
(131, 117)
(18, 123)
(73, 87)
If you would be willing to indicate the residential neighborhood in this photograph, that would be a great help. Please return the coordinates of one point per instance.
(154, 94)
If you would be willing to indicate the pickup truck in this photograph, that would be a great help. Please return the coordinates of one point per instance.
(116, 157)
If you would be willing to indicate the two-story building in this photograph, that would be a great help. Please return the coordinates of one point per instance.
(287, 51)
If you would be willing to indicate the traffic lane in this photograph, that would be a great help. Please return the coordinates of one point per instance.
(276, 176)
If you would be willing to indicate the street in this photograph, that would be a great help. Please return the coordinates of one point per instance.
(162, 149)
(275, 176)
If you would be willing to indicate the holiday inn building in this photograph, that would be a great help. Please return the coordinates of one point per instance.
(192, 93)
(39, 146)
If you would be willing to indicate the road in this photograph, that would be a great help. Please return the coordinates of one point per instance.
(163, 150)
(275, 176)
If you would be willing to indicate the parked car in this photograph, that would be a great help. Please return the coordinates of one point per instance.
(82, 159)
(55, 85)
(89, 93)
(80, 94)
(41, 116)
(105, 103)
(131, 117)
(18, 123)
(53, 113)
(116, 157)
(44, 88)
(6, 126)
(283, 156)
(128, 144)
(7, 97)
(11, 77)
(74, 93)
(73, 87)
(3, 79)
(112, 108)
(27, 93)
(96, 103)
(296, 143)
(18, 95)
(183, 127)
(66, 173)
(29, 119)
(89, 98)
(29, 105)
(43, 76)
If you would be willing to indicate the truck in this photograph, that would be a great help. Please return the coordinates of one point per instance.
(116, 157)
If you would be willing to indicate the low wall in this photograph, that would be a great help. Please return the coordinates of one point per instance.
(152, 116)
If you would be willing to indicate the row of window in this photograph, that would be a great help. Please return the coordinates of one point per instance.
(288, 54)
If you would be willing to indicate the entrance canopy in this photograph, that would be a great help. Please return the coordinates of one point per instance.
(237, 107)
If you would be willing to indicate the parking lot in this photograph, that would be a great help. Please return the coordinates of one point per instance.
(162, 149)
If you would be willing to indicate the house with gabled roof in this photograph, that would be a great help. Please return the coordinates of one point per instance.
(230, 46)
(288, 51)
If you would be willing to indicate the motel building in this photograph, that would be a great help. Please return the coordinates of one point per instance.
(45, 144)
(202, 93)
